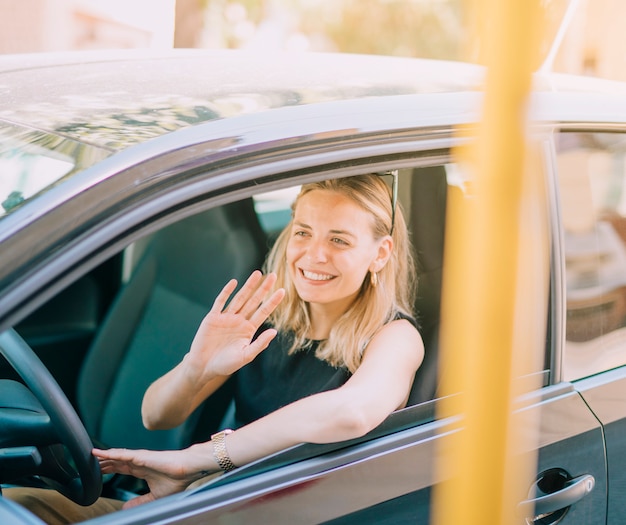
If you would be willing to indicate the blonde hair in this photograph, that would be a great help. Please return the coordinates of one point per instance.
(374, 306)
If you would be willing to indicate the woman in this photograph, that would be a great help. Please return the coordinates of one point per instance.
(336, 356)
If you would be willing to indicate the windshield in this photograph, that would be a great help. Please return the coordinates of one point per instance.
(32, 161)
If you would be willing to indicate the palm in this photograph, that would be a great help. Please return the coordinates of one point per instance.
(231, 336)
(223, 343)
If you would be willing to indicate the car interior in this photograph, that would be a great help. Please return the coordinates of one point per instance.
(117, 329)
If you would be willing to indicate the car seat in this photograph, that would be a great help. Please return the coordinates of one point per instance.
(153, 319)
(426, 221)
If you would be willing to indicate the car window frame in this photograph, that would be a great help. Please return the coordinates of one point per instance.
(168, 203)
(211, 189)
(560, 284)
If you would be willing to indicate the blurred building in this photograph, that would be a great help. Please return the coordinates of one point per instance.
(58, 25)
(593, 44)
(595, 41)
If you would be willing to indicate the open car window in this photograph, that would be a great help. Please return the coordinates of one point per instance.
(165, 282)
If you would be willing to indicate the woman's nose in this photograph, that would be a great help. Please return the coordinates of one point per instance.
(316, 252)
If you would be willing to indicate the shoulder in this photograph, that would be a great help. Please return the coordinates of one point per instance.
(400, 315)
(399, 337)
(403, 327)
(396, 351)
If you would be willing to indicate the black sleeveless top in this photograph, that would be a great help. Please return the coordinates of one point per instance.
(275, 378)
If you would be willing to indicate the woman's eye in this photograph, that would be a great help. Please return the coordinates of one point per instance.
(337, 240)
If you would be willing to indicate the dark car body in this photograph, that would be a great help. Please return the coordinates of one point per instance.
(137, 143)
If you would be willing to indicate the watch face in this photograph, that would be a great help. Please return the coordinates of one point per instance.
(224, 432)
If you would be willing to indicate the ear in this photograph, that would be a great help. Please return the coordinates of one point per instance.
(385, 247)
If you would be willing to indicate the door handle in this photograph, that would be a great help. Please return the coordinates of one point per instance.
(573, 491)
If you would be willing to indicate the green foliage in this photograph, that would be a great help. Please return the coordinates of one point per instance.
(409, 28)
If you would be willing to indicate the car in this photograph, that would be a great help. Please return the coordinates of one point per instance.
(135, 184)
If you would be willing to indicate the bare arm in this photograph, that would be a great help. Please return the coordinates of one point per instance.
(379, 386)
(220, 347)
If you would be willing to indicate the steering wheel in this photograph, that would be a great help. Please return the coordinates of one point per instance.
(38, 421)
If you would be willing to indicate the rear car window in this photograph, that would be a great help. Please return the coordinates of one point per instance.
(274, 209)
(592, 184)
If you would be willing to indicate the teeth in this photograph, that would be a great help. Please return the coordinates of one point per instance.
(316, 276)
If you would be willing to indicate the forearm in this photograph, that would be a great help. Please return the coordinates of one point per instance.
(170, 471)
(322, 418)
(380, 386)
(172, 398)
(327, 417)
(222, 344)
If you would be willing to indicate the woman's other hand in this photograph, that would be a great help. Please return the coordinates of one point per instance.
(166, 472)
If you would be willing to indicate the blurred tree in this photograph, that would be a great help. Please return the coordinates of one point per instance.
(424, 28)
(432, 29)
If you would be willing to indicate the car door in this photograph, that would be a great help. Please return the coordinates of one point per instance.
(592, 196)
(388, 476)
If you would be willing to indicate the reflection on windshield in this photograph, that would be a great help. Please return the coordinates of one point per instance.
(24, 174)
(32, 161)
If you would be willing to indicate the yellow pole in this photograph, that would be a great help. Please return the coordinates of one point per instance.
(481, 286)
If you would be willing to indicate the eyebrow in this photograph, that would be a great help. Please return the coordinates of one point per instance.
(334, 232)
(343, 232)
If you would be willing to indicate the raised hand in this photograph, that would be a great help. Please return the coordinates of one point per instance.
(223, 342)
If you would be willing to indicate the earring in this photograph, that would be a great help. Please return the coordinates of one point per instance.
(374, 279)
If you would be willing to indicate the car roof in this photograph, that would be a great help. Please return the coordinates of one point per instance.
(186, 109)
(117, 99)
(74, 109)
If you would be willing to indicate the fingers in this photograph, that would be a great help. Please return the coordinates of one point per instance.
(264, 311)
(251, 307)
(252, 288)
(139, 500)
(111, 466)
(115, 467)
(113, 460)
(246, 302)
(260, 343)
(222, 297)
(120, 454)
(249, 300)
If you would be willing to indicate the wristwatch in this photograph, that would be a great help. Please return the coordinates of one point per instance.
(219, 450)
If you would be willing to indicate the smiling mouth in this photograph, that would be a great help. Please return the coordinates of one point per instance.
(313, 276)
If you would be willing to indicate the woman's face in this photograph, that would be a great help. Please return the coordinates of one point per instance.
(332, 248)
